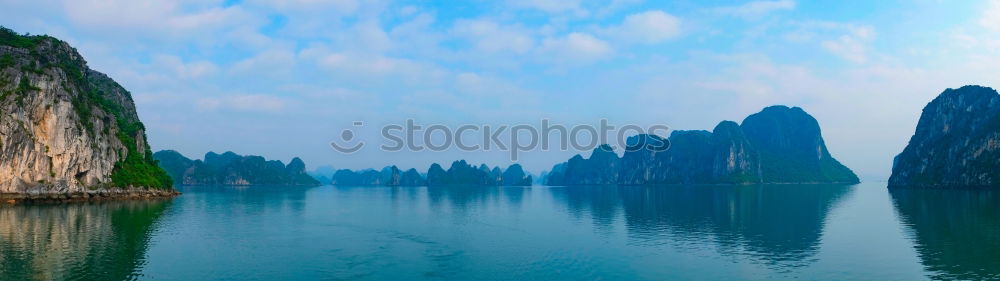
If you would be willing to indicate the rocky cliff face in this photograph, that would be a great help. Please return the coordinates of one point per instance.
(734, 158)
(412, 178)
(363, 177)
(956, 143)
(436, 175)
(791, 148)
(460, 173)
(232, 169)
(65, 127)
(686, 161)
(174, 163)
(515, 176)
(600, 169)
(777, 145)
(557, 176)
(388, 176)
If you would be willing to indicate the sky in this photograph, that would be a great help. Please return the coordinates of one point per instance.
(284, 78)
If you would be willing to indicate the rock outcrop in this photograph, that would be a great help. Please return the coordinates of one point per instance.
(601, 168)
(232, 169)
(388, 176)
(65, 128)
(436, 175)
(792, 149)
(777, 145)
(956, 143)
(460, 173)
(515, 176)
(412, 178)
(557, 176)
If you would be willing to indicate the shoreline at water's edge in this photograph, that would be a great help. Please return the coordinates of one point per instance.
(715, 184)
(614, 184)
(85, 196)
(256, 184)
(943, 186)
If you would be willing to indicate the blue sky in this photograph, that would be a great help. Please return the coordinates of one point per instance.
(283, 78)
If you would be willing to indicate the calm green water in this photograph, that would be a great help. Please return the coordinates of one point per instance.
(808, 232)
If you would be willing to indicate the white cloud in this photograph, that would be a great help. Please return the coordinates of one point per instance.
(496, 97)
(470, 94)
(577, 47)
(647, 27)
(551, 6)
(367, 64)
(991, 17)
(372, 36)
(119, 13)
(269, 63)
(181, 69)
(156, 18)
(757, 8)
(317, 6)
(371, 65)
(408, 10)
(249, 103)
(852, 46)
(257, 103)
(615, 6)
(490, 36)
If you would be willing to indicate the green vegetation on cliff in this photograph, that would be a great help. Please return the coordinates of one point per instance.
(955, 142)
(792, 148)
(780, 144)
(95, 97)
(136, 169)
(232, 169)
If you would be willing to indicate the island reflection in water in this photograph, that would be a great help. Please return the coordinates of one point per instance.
(715, 232)
(956, 232)
(80, 241)
(778, 225)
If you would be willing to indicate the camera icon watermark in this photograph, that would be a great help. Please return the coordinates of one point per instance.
(347, 136)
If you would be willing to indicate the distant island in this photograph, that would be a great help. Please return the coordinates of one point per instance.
(388, 176)
(460, 173)
(232, 169)
(322, 173)
(780, 144)
(68, 132)
(956, 143)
